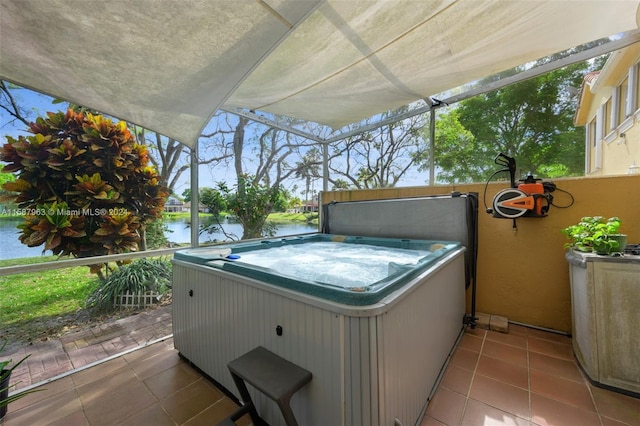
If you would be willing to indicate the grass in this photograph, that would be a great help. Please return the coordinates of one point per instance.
(294, 217)
(39, 303)
(181, 215)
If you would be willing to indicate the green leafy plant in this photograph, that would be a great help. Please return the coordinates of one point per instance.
(86, 187)
(6, 368)
(251, 203)
(138, 277)
(155, 234)
(595, 233)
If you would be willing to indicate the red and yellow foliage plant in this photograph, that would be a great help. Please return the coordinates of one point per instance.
(86, 187)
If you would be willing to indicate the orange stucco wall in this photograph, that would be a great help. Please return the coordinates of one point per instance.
(523, 275)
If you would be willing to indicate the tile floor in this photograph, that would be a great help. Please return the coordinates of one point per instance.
(526, 377)
(151, 386)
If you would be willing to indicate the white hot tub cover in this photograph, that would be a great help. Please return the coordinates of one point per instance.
(169, 65)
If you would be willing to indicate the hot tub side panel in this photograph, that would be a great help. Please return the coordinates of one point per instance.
(393, 359)
(368, 369)
(415, 339)
(218, 317)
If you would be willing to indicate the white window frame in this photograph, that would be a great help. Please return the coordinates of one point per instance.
(599, 136)
(632, 85)
(615, 97)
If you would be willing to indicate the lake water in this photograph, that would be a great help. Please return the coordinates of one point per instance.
(180, 232)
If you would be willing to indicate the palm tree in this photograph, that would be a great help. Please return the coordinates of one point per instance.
(309, 169)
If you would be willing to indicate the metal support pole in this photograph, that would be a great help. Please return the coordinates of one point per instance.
(432, 150)
(195, 200)
(325, 167)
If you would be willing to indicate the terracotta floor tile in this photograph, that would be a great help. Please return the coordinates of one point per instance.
(546, 335)
(129, 398)
(154, 386)
(457, 379)
(478, 332)
(518, 329)
(511, 339)
(551, 348)
(446, 407)
(108, 384)
(465, 359)
(190, 401)
(152, 415)
(548, 412)
(517, 356)
(54, 408)
(500, 395)
(171, 380)
(617, 406)
(148, 367)
(44, 392)
(471, 343)
(610, 422)
(99, 371)
(147, 352)
(478, 414)
(503, 371)
(215, 414)
(430, 421)
(565, 368)
(76, 418)
(563, 390)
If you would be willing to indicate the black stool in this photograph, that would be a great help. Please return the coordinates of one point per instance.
(272, 375)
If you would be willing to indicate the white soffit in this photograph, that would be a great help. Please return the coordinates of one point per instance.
(169, 65)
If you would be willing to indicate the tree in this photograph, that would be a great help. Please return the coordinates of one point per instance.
(216, 202)
(252, 202)
(531, 121)
(267, 152)
(309, 168)
(186, 195)
(11, 105)
(378, 158)
(340, 185)
(213, 200)
(459, 164)
(86, 187)
(172, 158)
(5, 177)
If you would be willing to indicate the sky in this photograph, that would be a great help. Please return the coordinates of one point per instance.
(36, 104)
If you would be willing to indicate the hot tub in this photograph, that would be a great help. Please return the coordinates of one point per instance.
(344, 269)
(374, 322)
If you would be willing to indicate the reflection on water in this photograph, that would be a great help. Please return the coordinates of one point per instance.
(179, 232)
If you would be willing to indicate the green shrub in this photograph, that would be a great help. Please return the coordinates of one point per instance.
(139, 276)
(155, 235)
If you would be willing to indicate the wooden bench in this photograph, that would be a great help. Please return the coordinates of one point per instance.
(272, 375)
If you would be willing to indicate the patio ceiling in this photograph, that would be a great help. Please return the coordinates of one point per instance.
(170, 65)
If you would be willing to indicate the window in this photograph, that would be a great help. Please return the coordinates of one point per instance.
(591, 133)
(609, 124)
(636, 73)
(622, 100)
(594, 139)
